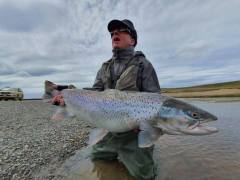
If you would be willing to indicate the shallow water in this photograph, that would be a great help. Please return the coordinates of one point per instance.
(215, 156)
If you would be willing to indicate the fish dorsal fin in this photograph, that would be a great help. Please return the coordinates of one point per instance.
(97, 135)
(148, 135)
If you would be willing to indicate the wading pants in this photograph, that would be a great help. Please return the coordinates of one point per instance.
(124, 147)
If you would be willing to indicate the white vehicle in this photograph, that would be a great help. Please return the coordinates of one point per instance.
(11, 93)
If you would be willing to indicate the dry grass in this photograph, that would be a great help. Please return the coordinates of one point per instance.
(228, 89)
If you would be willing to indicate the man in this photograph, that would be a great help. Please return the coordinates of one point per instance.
(126, 70)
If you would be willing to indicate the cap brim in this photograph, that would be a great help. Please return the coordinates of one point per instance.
(115, 24)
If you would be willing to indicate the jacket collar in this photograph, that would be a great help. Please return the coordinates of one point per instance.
(123, 54)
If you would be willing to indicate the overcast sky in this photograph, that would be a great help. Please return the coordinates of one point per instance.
(189, 42)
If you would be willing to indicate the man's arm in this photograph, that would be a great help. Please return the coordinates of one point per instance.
(61, 87)
(150, 81)
(98, 83)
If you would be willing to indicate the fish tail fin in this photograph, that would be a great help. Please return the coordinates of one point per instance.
(62, 113)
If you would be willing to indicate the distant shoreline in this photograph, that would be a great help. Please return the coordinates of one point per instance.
(206, 94)
(29, 99)
(226, 89)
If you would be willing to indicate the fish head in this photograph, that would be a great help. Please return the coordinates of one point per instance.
(178, 117)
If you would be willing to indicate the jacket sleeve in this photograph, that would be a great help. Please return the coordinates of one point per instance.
(149, 79)
(98, 83)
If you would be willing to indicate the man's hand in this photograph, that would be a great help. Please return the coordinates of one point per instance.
(56, 93)
(58, 100)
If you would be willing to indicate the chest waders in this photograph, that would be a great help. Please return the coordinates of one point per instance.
(124, 146)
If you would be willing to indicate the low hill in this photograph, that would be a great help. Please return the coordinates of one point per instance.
(226, 89)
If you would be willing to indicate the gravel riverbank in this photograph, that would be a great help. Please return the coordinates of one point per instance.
(31, 145)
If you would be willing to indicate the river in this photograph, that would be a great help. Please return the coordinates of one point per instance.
(215, 156)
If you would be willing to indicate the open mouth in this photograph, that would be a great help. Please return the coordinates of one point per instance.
(194, 125)
(116, 39)
(199, 129)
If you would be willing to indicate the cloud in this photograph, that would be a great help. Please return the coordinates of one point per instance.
(190, 76)
(14, 18)
(192, 50)
(66, 41)
(6, 69)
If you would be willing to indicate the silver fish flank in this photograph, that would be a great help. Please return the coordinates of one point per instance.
(153, 113)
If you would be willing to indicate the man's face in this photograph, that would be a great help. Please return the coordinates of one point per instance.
(121, 38)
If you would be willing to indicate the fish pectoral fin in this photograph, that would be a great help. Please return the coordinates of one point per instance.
(148, 135)
(97, 135)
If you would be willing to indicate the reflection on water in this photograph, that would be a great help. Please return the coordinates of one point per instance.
(215, 156)
(80, 167)
(100, 170)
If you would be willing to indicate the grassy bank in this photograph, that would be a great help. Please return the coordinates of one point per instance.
(226, 89)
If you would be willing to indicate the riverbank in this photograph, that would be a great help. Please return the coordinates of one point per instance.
(206, 94)
(227, 89)
(31, 145)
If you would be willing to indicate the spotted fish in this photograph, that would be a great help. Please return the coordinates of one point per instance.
(153, 114)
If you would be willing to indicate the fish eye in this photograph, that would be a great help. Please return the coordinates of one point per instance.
(194, 115)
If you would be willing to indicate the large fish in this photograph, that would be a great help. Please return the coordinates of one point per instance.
(152, 113)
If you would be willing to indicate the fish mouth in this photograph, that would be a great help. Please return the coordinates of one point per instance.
(190, 127)
(199, 129)
(211, 118)
(214, 118)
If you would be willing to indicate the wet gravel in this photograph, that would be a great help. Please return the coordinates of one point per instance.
(32, 146)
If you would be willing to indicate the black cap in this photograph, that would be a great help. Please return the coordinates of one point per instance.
(115, 24)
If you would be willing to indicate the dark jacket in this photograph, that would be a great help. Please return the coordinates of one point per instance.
(127, 70)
